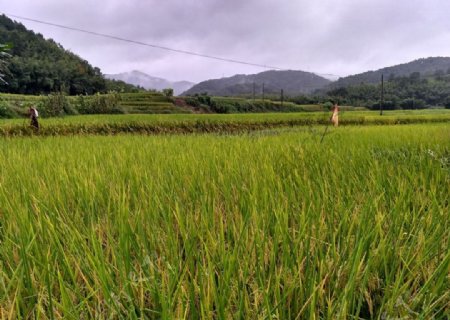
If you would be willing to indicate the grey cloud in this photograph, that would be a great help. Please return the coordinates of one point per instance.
(327, 36)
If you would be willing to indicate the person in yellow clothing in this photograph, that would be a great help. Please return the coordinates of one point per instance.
(335, 116)
(334, 120)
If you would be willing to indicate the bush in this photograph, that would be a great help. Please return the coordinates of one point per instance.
(447, 102)
(412, 104)
(99, 104)
(302, 100)
(6, 111)
(223, 108)
(54, 105)
(192, 101)
(327, 105)
(168, 92)
(81, 105)
(387, 105)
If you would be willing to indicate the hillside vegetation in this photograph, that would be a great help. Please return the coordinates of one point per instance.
(38, 65)
(415, 91)
(424, 66)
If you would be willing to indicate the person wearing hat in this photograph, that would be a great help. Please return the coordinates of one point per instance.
(33, 113)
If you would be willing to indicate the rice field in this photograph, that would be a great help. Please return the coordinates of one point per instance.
(204, 123)
(264, 225)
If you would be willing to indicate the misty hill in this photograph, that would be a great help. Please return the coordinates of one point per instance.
(146, 81)
(424, 66)
(292, 82)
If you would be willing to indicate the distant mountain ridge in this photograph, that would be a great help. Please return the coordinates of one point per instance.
(40, 66)
(146, 81)
(425, 66)
(291, 81)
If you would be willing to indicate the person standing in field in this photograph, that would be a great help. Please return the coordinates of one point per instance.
(335, 116)
(33, 113)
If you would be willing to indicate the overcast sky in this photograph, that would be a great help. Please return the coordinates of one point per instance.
(340, 37)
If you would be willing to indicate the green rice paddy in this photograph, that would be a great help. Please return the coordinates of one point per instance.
(267, 224)
(204, 123)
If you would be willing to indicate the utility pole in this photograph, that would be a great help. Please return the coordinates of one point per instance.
(382, 95)
(263, 92)
(282, 97)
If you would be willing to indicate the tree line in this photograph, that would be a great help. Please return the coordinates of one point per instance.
(408, 92)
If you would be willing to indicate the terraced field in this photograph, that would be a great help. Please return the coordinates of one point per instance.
(148, 103)
(143, 103)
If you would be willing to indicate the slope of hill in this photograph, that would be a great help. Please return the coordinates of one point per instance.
(424, 66)
(39, 66)
(148, 82)
(292, 82)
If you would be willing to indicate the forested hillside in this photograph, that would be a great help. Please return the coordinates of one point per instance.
(37, 65)
(424, 66)
(415, 91)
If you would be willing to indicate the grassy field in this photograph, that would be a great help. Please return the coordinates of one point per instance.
(201, 123)
(266, 225)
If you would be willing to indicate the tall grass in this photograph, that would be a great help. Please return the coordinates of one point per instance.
(264, 225)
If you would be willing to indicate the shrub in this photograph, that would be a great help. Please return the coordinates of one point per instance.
(302, 100)
(327, 105)
(5, 110)
(82, 105)
(447, 102)
(168, 92)
(99, 104)
(192, 101)
(54, 105)
(412, 104)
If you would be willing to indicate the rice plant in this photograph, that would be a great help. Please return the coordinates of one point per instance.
(206, 123)
(264, 225)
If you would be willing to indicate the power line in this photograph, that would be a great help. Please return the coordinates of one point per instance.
(156, 46)
(145, 44)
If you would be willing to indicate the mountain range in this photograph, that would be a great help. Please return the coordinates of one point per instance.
(424, 66)
(300, 82)
(146, 81)
(292, 82)
(40, 66)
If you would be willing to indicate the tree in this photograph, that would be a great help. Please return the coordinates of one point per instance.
(4, 55)
(40, 66)
(414, 76)
(168, 92)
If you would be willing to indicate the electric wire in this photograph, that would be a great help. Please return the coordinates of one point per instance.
(158, 46)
